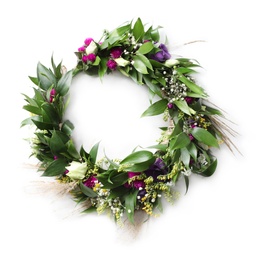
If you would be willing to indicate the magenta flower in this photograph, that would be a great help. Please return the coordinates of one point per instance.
(91, 57)
(189, 100)
(88, 41)
(55, 157)
(116, 52)
(84, 58)
(191, 137)
(90, 182)
(133, 174)
(66, 171)
(170, 105)
(82, 49)
(111, 64)
(52, 94)
(138, 184)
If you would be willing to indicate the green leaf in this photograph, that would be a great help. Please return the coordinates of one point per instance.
(193, 150)
(184, 70)
(45, 77)
(67, 127)
(64, 83)
(130, 203)
(155, 35)
(145, 48)
(139, 167)
(49, 114)
(34, 80)
(210, 170)
(102, 67)
(139, 65)
(56, 69)
(28, 121)
(156, 108)
(153, 87)
(181, 140)
(93, 153)
(58, 142)
(112, 179)
(161, 147)
(178, 128)
(183, 106)
(187, 181)
(146, 62)
(44, 126)
(137, 157)
(185, 156)
(202, 135)
(55, 168)
(71, 149)
(33, 109)
(138, 30)
(87, 191)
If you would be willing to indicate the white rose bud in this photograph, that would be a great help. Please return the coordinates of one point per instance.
(77, 170)
(121, 62)
(92, 48)
(171, 63)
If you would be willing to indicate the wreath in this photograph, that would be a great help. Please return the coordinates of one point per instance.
(139, 181)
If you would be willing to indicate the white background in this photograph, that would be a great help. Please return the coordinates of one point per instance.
(218, 218)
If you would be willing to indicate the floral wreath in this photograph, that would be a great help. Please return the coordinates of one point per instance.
(138, 181)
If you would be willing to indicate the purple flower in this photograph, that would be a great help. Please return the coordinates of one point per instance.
(82, 49)
(55, 157)
(88, 41)
(90, 182)
(191, 137)
(156, 169)
(133, 174)
(136, 183)
(111, 64)
(84, 58)
(189, 100)
(66, 171)
(116, 52)
(170, 105)
(161, 55)
(91, 57)
(139, 184)
(52, 94)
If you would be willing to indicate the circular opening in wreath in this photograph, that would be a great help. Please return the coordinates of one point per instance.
(110, 111)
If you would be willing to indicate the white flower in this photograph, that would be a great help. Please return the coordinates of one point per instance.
(92, 48)
(77, 170)
(171, 63)
(121, 62)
